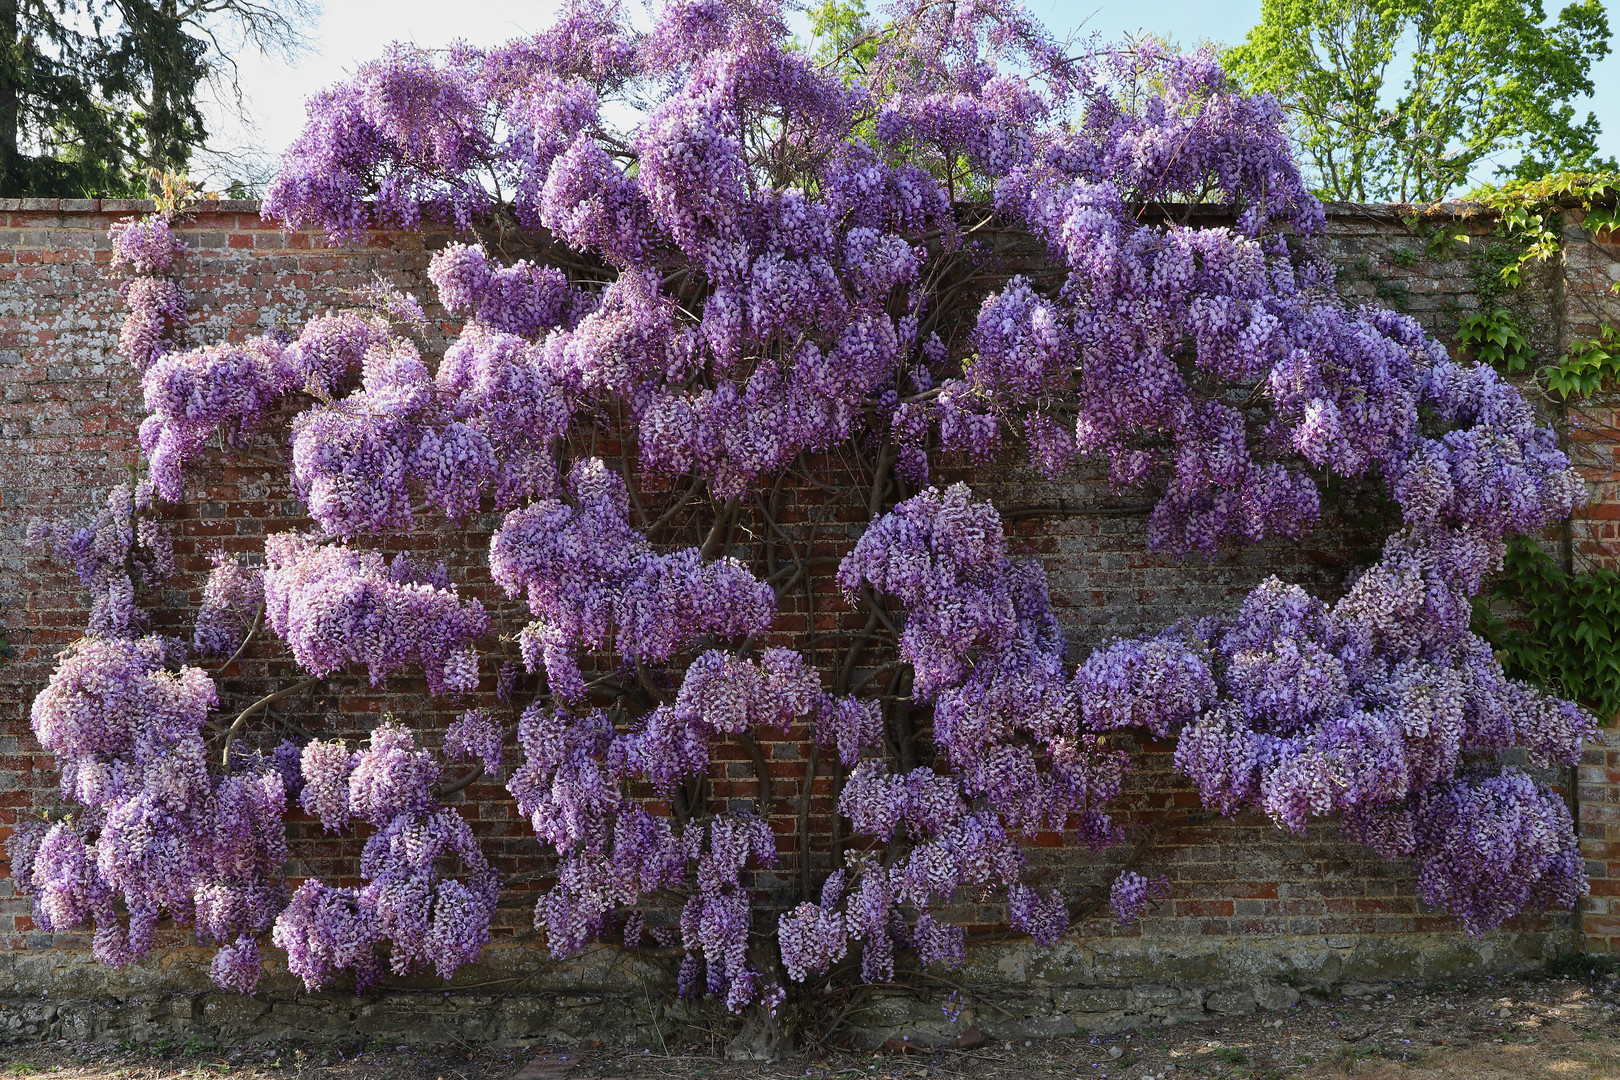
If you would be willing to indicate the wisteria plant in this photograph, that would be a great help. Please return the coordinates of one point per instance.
(745, 275)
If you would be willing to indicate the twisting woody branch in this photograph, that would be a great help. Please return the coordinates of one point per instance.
(765, 265)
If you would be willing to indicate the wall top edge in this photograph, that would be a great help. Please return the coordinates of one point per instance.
(1449, 209)
(122, 206)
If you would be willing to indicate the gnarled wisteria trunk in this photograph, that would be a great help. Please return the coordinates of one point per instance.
(752, 258)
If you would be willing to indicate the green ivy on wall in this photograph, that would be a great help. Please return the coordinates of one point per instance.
(1572, 645)
(1493, 338)
(1588, 366)
(1531, 213)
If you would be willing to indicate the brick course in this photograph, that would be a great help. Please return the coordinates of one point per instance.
(69, 409)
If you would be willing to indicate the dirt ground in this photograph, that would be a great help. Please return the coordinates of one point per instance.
(1545, 1028)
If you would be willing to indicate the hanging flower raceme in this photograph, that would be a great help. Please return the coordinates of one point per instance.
(229, 390)
(1007, 721)
(233, 598)
(334, 606)
(587, 574)
(1370, 706)
(159, 834)
(523, 299)
(408, 904)
(147, 248)
(483, 425)
(123, 548)
(614, 852)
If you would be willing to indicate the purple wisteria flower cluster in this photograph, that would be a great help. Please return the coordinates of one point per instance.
(156, 834)
(474, 736)
(334, 606)
(123, 548)
(585, 571)
(1131, 894)
(233, 598)
(1371, 707)
(797, 329)
(147, 250)
(228, 390)
(484, 424)
(425, 917)
(1015, 755)
(772, 260)
(572, 788)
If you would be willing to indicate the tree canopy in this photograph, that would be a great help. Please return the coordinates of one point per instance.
(93, 93)
(1404, 99)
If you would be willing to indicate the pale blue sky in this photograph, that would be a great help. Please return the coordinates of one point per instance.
(352, 31)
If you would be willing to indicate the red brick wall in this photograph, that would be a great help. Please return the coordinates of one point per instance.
(67, 431)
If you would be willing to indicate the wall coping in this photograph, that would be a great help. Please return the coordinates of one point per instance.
(123, 206)
(1453, 208)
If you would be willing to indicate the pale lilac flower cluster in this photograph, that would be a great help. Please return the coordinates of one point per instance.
(722, 694)
(589, 202)
(938, 943)
(849, 725)
(420, 137)
(796, 330)
(324, 931)
(484, 424)
(157, 310)
(327, 352)
(521, 299)
(146, 248)
(1488, 467)
(503, 392)
(1020, 343)
(812, 936)
(944, 559)
(424, 916)
(405, 131)
(474, 736)
(237, 966)
(590, 579)
(571, 787)
(1486, 848)
(878, 803)
(1008, 723)
(1365, 706)
(230, 389)
(716, 920)
(1154, 316)
(246, 845)
(157, 834)
(1044, 919)
(334, 606)
(231, 598)
(1156, 684)
(190, 394)
(123, 548)
(324, 768)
